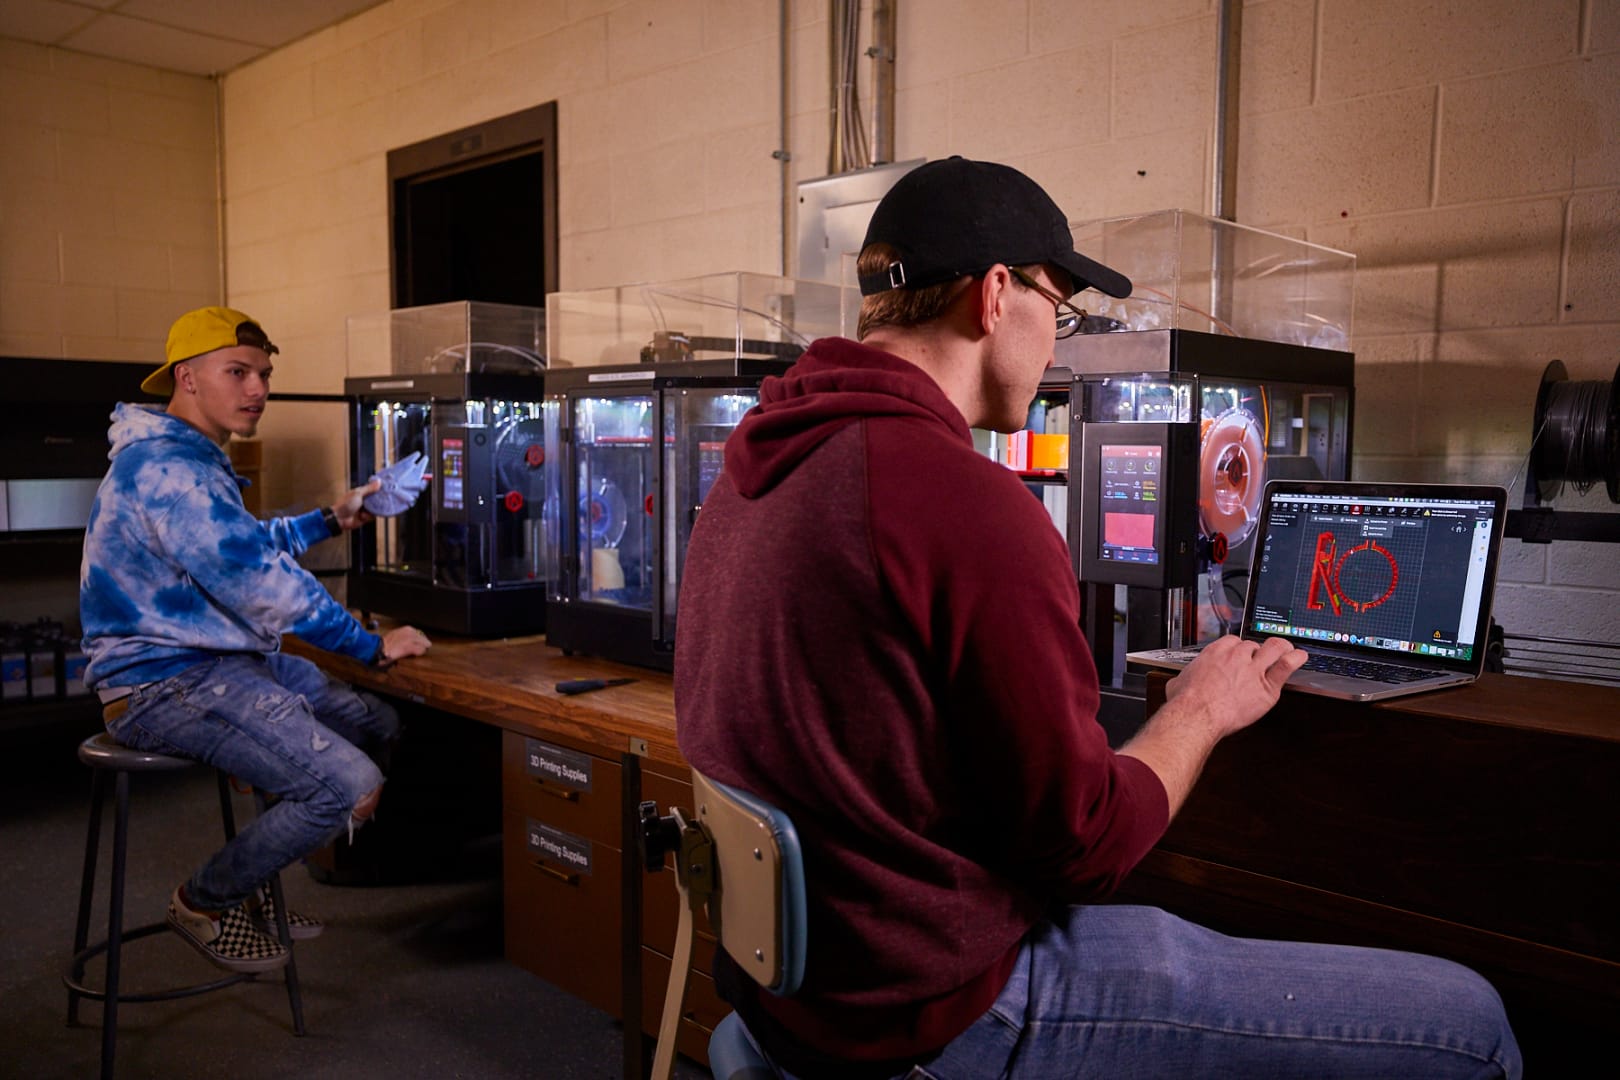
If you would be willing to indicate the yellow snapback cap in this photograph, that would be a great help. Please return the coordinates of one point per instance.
(203, 331)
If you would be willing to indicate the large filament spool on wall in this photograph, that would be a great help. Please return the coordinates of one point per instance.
(1576, 434)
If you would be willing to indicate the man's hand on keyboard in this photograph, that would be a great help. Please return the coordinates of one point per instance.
(1237, 681)
(1226, 688)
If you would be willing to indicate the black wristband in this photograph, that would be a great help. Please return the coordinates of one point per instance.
(329, 518)
(380, 657)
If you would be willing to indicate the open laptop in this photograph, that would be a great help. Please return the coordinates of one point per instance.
(1387, 586)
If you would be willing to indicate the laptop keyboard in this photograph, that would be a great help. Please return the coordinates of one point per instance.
(1371, 670)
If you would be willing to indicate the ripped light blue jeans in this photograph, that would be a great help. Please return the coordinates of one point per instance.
(276, 722)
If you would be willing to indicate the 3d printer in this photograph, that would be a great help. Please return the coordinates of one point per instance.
(645, 384)
(1226, 367)
(461, 383)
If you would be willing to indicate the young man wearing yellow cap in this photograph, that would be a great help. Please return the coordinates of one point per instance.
(184, 597)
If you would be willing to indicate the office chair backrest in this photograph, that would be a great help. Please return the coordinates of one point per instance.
(739, 856)
(757, 909)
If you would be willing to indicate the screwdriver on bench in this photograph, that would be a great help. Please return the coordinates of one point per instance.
(581, 686)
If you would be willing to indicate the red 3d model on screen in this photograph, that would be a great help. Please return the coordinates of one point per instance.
(1328, 575)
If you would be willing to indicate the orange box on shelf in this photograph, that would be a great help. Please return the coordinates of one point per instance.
(1048, 452)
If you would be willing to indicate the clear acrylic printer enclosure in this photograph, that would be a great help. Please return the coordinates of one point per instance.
(460, 383)
(1246, 333)
(647, 382)
(457, 338)
(716, 316)
(1191, 272)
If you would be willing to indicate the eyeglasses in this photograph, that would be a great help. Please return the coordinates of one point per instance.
(1069, 317)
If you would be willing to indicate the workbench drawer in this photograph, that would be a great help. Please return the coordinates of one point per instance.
(700, 1012)
(572, 790)
(563, 909)
(661, 912)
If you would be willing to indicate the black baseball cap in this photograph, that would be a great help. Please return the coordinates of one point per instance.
(954, 217)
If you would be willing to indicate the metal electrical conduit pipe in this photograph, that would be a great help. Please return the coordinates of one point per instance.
(846, 149)
(1223, 166)
(849, 147)
(884, 17)
(1228, 62)
(882, 52)
(783, 154)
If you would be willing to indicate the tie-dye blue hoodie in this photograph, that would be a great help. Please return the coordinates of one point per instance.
(177, 571)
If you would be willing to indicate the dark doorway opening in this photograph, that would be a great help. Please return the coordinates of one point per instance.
(474, 213)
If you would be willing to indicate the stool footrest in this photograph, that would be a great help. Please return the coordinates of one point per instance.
(112, 766)
(75, 983)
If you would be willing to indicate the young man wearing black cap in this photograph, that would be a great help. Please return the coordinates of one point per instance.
(880, 636)
(184, 597)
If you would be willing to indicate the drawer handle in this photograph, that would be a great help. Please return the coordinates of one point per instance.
(565, 794)
(561, 875)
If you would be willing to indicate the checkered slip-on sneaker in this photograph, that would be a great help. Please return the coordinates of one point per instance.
(299, 927)
(231, 942)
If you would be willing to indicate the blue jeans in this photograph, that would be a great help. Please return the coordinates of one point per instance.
(1126, 992)
(276, 722)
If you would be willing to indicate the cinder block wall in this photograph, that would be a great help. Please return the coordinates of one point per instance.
(1467, 153)
(109, 203)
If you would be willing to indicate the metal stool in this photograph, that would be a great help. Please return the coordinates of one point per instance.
(113, 763)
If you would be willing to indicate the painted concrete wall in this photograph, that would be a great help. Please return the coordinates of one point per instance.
(109, 203)
(1468, 154)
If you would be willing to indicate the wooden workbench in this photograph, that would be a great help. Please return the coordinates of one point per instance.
(1481, 823)
(510, 682)
(580, 909)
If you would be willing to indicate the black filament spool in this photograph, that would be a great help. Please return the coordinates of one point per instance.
(1576, 433)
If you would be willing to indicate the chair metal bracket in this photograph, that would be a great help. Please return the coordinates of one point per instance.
(695, 879)
(696, 862)
(692, 845)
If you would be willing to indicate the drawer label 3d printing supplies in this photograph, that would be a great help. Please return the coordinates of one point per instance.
(556, 765)
(556, 846)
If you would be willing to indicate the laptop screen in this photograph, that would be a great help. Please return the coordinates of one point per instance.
(1378, 568)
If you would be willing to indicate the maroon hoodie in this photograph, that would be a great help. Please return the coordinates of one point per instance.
(879, 634)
